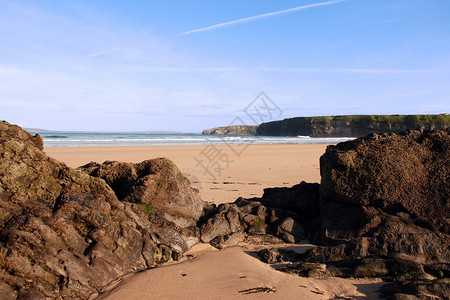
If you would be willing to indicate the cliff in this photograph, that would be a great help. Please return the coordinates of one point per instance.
(232, 130)
(351, 126)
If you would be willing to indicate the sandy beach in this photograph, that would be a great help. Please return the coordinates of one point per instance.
(205, 272)
(233, 273)
(236, 172)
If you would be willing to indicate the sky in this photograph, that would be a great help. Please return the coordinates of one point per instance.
(101, 65)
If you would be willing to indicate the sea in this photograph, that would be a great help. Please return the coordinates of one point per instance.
(104, 139)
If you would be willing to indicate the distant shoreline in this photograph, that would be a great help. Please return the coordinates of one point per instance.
(76, 139)
(337, 126)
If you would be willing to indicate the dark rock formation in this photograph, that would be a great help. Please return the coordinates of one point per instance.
(272, 256)
(232, 130)
(65, 234)
(285, 213)
(352, 126)
(416, 289)
(386, 196)
(382, 210)
(404, 175)
(389, 195)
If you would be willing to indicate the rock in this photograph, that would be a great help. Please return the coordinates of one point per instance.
(156, 183)
(419, 289)
(179, 239)
(262, 239)
(393, 191)
(258, 227)
(381, 211)
(250, 219)
(287, 224)
(407, 173)
(65, 234)
(287, 237)
(230, 240)
(275, 255)
(291, 227)
(269, 256)
(31, 295)
(399, 268)
(302, 199)
(273, 216)
(9, 132)
(405, 297)
(223, 207)
(216, 226)
(233, 219)
(261, 212)
(253, 217)
(300, 202)
(307, 269)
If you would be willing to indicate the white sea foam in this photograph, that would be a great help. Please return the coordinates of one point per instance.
(76, 139)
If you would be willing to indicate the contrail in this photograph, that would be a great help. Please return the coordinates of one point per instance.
(266, 15)
(102, 52)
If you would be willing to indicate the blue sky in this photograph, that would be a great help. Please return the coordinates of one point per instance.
(189, 65)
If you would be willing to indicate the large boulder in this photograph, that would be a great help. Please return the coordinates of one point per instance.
(406, 175)
(388, 195)
(156, 183)
(383, 211)
(65, 234)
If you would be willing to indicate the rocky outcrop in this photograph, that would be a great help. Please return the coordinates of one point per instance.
(351, 126)
(403, 175)
(8, 131)
(382, 210)
(282, 214)
(156, 183)
(66, 234)
(232, 130)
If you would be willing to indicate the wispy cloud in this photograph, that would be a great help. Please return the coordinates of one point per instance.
(212, 69)
(356, 70)
(266, 15)
(383, 22)
(102, 52)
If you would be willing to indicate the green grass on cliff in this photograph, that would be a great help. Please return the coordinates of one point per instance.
(411, 120)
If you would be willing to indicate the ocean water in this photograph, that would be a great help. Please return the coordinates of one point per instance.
(99, 139)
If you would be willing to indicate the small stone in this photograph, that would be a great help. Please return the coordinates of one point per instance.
(288, 238)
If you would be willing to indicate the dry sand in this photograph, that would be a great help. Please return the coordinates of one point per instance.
(227, 274)
(214, 274)
(244, 172)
